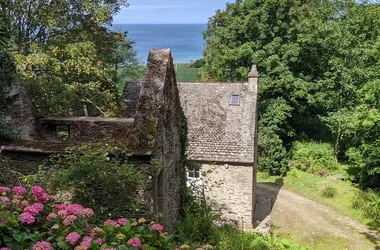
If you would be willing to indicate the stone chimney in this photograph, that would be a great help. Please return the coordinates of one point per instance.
(253, 79)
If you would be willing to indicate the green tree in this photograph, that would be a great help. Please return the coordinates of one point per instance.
(314, 58)
(66, 55)
(263, 33)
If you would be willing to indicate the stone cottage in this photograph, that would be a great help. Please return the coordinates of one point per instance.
(222, 134)
(222, 142)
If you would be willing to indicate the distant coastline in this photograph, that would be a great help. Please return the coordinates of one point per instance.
(184, 40)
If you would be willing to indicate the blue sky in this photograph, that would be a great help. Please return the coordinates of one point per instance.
(169, 11)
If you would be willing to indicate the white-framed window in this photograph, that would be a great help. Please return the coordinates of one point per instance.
(194, 181)
(235, 100)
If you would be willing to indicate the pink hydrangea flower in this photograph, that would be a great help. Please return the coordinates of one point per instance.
(37, 191)
(62, 213)
(5, 201)
(94, 231)
(26, 218)
(5, 248)
(134, 242)
(87, 212)
(99, 241)
(38, 206)
(69, 220)
(74, 209)
(59, 207)
(72, 238)
(31, 210)
(42, 245)
(4, 189)
(19, 190)
(51, 216)
(122, 221)
(44, 198)
(110, 222)
(4, 220)
(157, 227)
(86, 242)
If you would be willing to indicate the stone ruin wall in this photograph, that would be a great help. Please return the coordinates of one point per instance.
(153, 133)
(158, 116)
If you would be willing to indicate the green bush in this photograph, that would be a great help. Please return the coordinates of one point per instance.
(201, 228)
(329, 192)
(197, 222)
(96, 175)
(198, 63)
(368, 202)
(313, 157)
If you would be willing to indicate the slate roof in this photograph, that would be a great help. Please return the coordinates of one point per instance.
(218, 131)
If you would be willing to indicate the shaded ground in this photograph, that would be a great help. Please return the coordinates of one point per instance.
(314, 224)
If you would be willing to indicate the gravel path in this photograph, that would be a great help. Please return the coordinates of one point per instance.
(313, 222)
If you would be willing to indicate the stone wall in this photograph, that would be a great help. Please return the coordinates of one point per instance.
(157, 124)
(86, 129)
(130, 96)
(20, 114)
(228, 188)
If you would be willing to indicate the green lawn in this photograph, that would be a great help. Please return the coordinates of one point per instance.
(311, 186)
(185, 73)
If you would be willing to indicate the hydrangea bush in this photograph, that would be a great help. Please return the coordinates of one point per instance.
(29, 219)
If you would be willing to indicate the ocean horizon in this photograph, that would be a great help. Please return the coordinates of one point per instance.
(185, 40)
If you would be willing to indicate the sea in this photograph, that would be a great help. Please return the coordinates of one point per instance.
(185, 40)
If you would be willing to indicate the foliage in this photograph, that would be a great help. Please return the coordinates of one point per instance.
(197, 223)
(7, 73)
(66, 55)
(368, 203)
(313, 157)
(198, 63)
(319, 67)
(30, 218)
(96, 174)
(129, 72)
(272, 153)
(328, 192)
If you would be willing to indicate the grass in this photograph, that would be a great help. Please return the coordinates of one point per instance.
(185, 73)
(312, 186)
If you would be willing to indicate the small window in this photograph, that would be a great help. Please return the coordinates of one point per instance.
(235, 100)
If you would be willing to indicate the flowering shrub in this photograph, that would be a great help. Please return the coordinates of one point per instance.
(97, 173)
(29, 219)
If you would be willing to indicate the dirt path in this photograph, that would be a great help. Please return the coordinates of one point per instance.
(319, 226)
